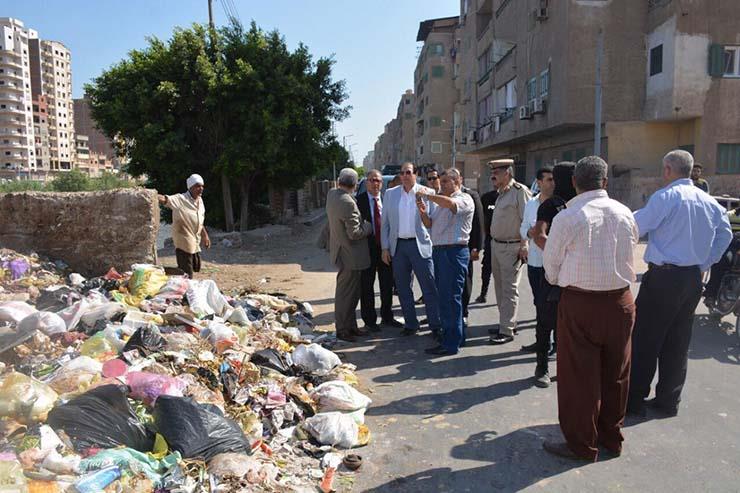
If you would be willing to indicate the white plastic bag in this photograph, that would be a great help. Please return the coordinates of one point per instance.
(205, 298)
(73, 314)
(106, 311)
(84, 363)
(221, 336)
(338, 395)
(15, 311)
(334, 429)
(47, 322)
(315, 359)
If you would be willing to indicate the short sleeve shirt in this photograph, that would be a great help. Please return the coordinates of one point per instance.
(450, 228)
(549, 209)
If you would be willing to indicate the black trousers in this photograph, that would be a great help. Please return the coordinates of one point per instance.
(468, 289)
(486, 266)
(665, 316)
(547, 299)
(384, 275)
(187, 262)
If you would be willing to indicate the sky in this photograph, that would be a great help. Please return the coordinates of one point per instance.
(373, 41)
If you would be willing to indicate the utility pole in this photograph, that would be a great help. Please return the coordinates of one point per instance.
(597, 101)
(454, 134)
(225, 185)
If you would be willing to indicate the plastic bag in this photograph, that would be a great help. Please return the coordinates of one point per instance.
(315, 359)
(339, 396)
(174, 289)
(197, 430)
(205, 299)
(102, 418)
(106, 312)
(178, 341)
(98, 347)
(72, 381)
(220, 335)
(55, 298)
(149, 386)
(270, 358)
(56, 463)
(47, 322)
(242, 466)
(15, 311)
(146, 340)
(24, 398)
(145, 282)
(83, 363)
(131, 460)
(336, 429)
(73, 314)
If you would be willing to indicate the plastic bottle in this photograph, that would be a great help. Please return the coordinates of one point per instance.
(97, 481)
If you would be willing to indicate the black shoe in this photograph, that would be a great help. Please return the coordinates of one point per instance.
(408, 332)
(439, 351)
(553, 350)
(530, 348)
(481, 299)
(420, 301)
(637, 409)
(499, 339)
(663, 410)
(424, 321)
(392, 322)
(372, 327)
(542, 380)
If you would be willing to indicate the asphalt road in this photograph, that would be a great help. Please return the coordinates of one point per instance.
(474, 421)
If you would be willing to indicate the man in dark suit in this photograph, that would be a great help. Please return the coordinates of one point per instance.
(488, 201)
(370, 205)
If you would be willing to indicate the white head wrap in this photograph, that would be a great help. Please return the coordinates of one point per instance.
(195, 180)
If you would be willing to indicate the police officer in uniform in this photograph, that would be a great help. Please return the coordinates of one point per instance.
(509, 249)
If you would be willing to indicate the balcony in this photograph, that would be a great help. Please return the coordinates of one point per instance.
(11, 75)
(12, 145)
(13, 122)
(9, 63)
(14, 111)
(10, 97)
(12, 86)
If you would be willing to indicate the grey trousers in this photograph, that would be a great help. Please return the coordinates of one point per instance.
(346, 297)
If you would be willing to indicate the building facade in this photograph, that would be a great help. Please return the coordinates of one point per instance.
(98, 142)
(17, 149)
(41, 134)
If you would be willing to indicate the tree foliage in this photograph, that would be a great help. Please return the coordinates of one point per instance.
(230, 101)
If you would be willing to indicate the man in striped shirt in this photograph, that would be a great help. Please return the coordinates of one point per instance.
(450, 220)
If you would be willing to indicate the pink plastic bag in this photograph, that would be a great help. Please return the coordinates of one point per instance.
(149, 386)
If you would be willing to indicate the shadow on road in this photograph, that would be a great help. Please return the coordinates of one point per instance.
(715, 339)
(517, 461)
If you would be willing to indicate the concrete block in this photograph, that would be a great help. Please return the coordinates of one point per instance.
(90, 231)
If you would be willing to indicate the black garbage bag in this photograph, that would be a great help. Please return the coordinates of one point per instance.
(273, 359)
(197, 430)
(102, 418)
(56, 299)
(146, 340)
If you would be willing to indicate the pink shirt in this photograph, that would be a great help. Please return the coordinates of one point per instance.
(590, 244)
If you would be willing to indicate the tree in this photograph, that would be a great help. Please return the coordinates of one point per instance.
(231, 102)
(71, 181)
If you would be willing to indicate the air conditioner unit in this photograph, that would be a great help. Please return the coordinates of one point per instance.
(541, 14)
(472, 136)
(540, 106)
(497, 124)
(525, 113)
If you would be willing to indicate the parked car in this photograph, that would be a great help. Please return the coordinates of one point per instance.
(362, 186)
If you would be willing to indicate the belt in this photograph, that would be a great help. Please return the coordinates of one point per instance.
(448, 247)
(407, 239)
(652, 266)
(507, 242)
(588, 291)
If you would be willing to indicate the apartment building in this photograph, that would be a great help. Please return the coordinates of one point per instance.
(435, 91)
(41, 134)
(396, 144)
(51, 76)
(98, 142)
(17, 150)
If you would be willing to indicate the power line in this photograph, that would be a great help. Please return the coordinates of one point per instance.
(234, 10)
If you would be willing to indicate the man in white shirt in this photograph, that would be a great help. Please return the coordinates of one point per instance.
(546, 185)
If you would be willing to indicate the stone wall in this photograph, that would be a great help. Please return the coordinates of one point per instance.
(90, 231)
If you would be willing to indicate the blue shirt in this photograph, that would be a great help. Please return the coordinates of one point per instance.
(685, 226)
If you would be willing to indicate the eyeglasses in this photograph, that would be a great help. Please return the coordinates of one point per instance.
(432, 178)
(407, 172)
(375, 180)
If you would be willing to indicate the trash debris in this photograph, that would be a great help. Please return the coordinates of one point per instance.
(142, 381)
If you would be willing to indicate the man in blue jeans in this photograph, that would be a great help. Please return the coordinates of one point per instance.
(450, 217)
(407, 247)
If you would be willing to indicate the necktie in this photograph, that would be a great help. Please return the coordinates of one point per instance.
(376, 216)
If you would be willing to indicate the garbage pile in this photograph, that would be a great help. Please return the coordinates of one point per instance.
(144, 381)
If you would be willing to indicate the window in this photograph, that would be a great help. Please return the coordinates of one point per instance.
(438, 71)
(437, 49)
(545, 83)
(732, 64)
(435, 121)
(656, 60)
(532, 89)
(484, 65)
(728, 158)
(724, 61)
(436, 147)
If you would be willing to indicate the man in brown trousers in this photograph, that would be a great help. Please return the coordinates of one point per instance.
(348, 251)
(589, 254)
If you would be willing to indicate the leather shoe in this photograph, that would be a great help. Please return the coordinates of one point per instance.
(609, 453)
(636, 409)
(480, 299)
(373, 327)
(359, 332)
(666, 411)
(408, 332)
(346, 336)
(439, 351)
(392, 322)
(561, 449)
(499, 339)
(424, 321)
(530, 348)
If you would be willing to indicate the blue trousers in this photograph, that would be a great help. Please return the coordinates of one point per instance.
(451, 268)
(406, 260)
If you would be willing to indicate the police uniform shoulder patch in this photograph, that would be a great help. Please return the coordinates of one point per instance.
(517, 185)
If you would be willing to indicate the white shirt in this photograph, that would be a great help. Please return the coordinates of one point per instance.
(371, 200)
(534, 257)
(407, 212)
(590, 244)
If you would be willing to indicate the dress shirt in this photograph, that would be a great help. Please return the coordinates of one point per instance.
(407, 212)
(452, 228)
(590, 244)
(685, 226)
(371, 200)
(534, 257)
